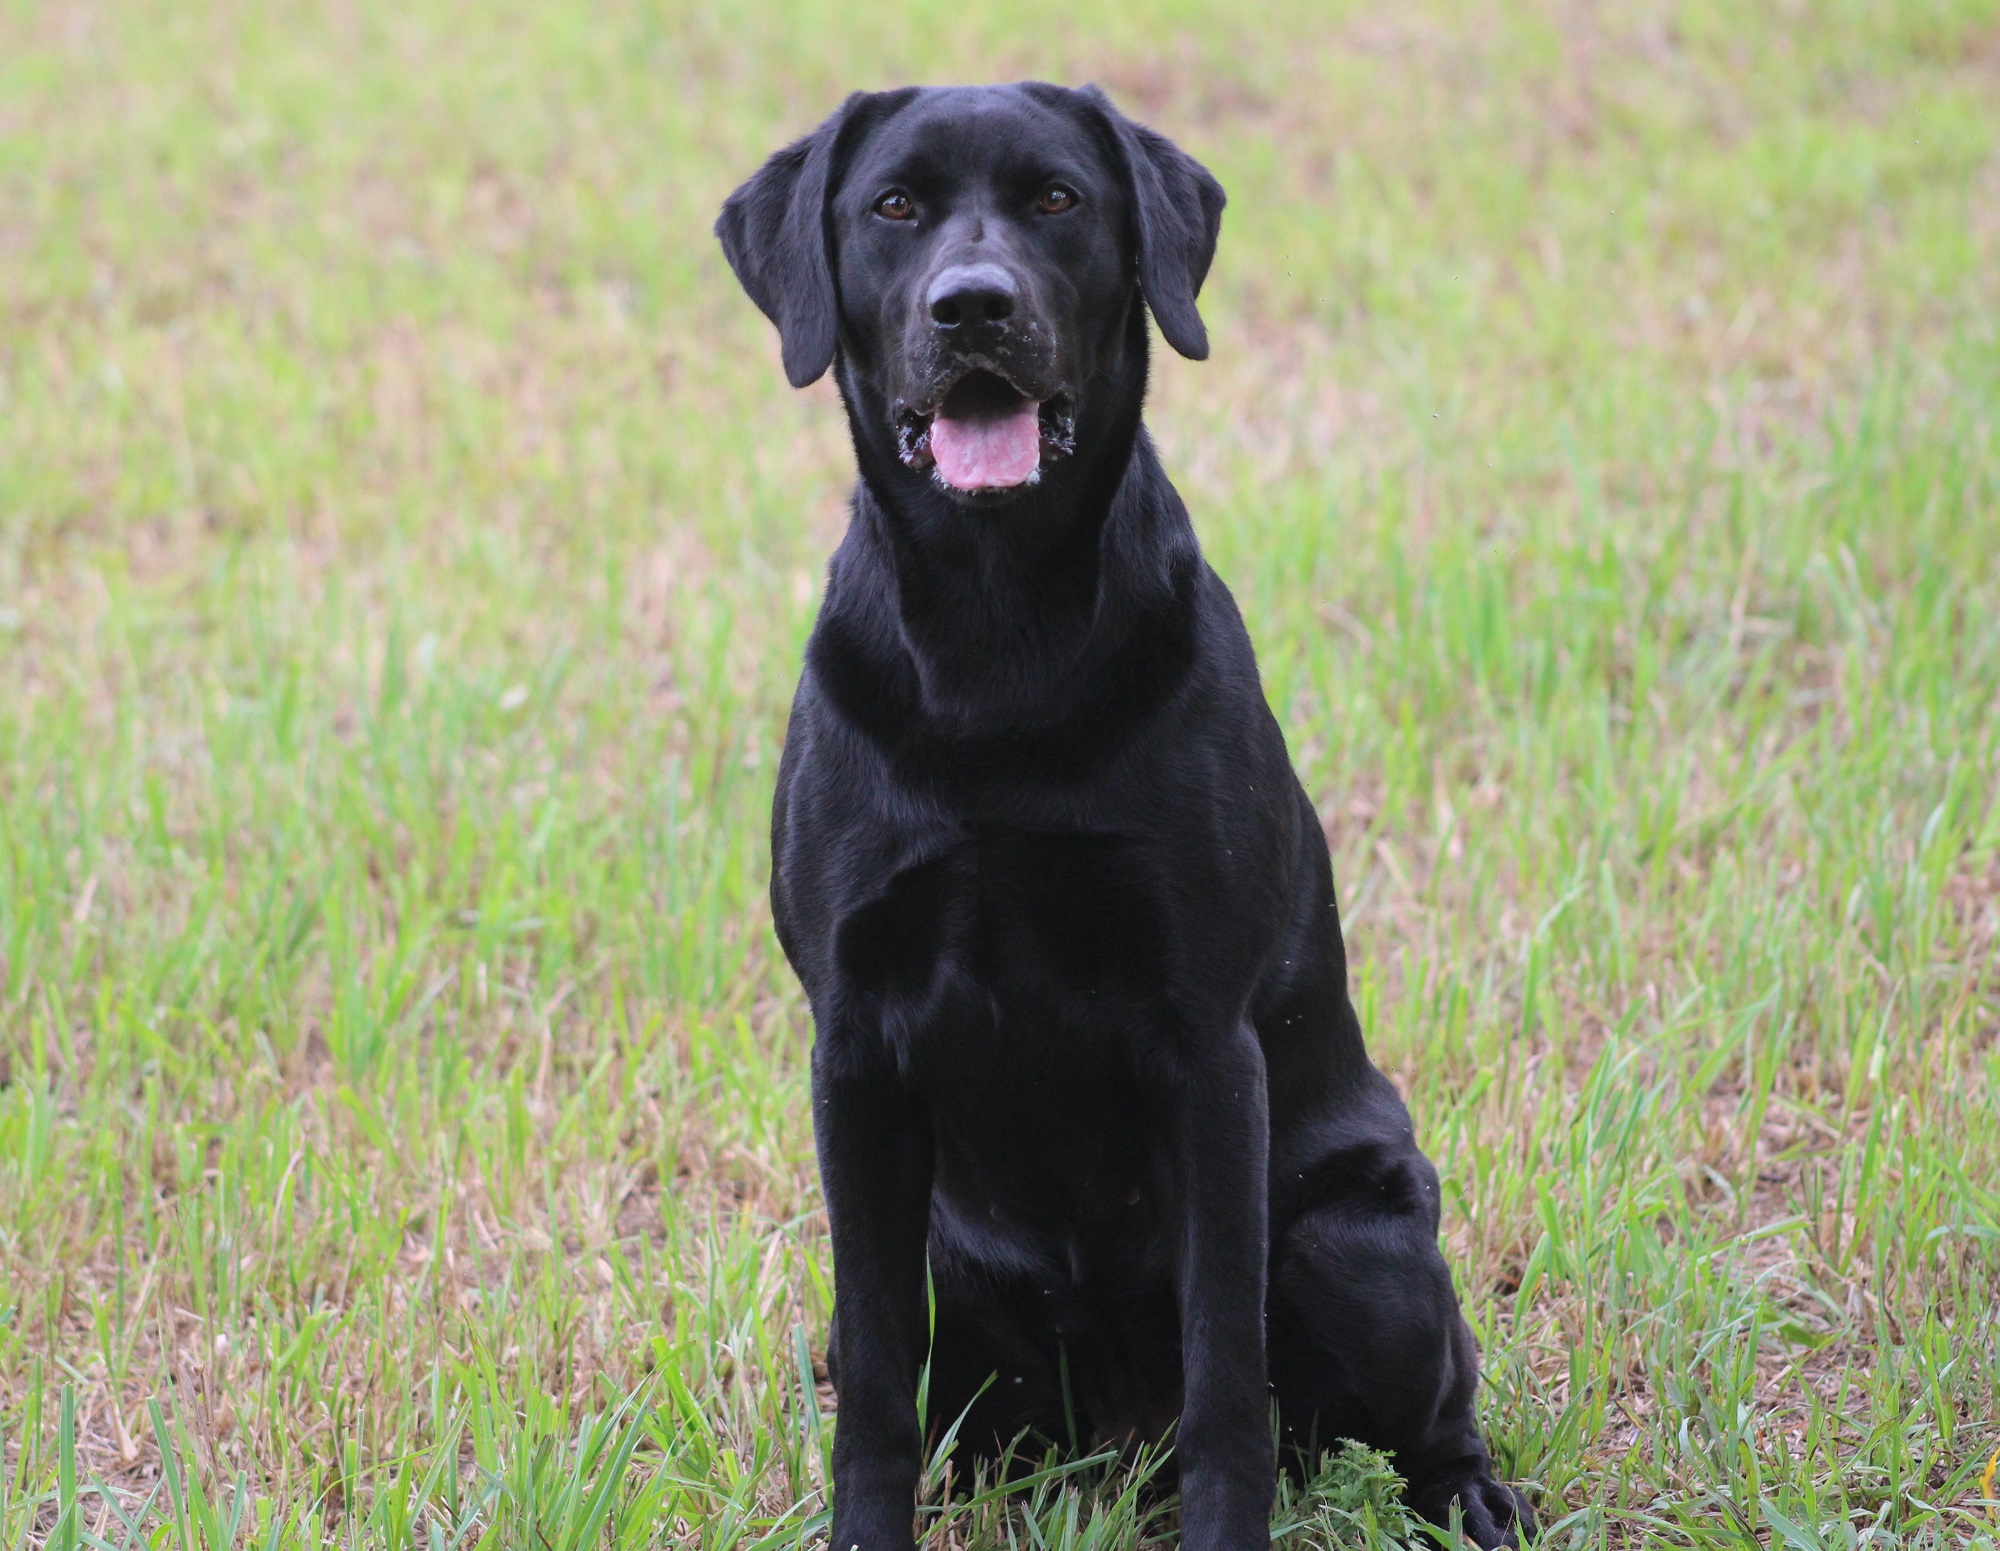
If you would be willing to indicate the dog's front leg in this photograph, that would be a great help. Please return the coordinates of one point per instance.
(875, 1164)
(1222, 1140)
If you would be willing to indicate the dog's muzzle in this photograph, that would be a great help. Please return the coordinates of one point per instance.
(981, 428)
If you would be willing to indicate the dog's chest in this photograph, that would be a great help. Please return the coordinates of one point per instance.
(1007, 926)
(1021, 979)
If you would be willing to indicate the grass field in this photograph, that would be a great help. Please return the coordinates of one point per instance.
(405, 553)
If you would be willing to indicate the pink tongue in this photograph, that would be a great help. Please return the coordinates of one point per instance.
(991, 452)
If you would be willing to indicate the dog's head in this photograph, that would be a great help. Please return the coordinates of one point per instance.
(973, 254)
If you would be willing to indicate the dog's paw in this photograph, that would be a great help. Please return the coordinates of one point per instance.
(1225, 1512)
(1490, 1513)
(878, 1532)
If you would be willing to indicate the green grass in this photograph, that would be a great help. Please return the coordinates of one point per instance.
(406, 546)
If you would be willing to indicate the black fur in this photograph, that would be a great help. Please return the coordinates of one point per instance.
(1063, 912)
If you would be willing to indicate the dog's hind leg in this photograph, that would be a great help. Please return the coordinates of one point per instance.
(1366, 1342)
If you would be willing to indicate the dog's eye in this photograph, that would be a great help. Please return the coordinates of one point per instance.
(1055, 200)
(896, 206)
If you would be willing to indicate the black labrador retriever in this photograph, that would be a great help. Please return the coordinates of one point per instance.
(1064, 914)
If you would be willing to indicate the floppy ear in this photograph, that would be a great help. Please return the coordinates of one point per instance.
(773, 232)
(1176, 215)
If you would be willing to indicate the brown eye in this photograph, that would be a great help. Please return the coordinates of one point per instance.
(895, 207)
(1055, 200)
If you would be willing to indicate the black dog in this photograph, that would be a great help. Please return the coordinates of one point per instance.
(1063, 911)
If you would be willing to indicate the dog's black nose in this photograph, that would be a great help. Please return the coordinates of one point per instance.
(972, 293)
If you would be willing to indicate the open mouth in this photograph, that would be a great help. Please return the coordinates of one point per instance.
(985, 434)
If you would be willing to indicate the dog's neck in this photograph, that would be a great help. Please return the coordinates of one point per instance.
(1010, 613)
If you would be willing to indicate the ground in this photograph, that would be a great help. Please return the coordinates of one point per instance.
(406, 545)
